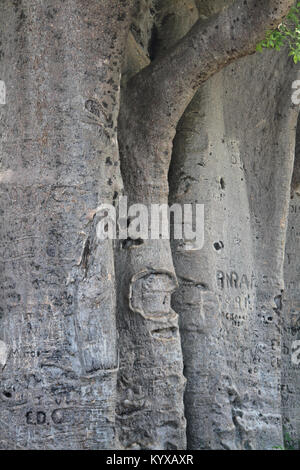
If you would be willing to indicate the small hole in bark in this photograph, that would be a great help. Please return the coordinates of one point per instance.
(222, 183)
(218, 246)
(7, 394)
(129, 242)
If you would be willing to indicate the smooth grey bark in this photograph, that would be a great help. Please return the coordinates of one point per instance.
(150, 383)
(168, 84)
(152, 103)
(291, 308)
(59, 159)
(229, 298)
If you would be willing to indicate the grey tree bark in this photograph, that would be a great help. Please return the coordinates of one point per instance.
(59, 159)
(91, 352)
(290, 343)
(229, 299)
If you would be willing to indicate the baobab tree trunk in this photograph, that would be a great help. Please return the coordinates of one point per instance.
(66, 373)
(148, 118)
(291, 308)
(59, 159)
(229, 298)
(150, 382)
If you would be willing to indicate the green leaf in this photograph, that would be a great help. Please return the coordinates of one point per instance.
(288, 32)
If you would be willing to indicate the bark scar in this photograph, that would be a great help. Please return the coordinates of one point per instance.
(150, 293)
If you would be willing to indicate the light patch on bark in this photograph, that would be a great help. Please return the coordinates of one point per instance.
(3, 353)
(6, 176)
(2, 92)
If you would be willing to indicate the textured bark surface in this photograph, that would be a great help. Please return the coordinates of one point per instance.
(59, 159)
(134, 344)
(291, 310)
(229, 299)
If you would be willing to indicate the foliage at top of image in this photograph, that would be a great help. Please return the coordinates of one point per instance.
(287, 33)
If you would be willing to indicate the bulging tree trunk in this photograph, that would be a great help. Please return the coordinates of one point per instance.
(291, 306)
(92, 355)
(229, 298)
(151, 383)
(59, 159)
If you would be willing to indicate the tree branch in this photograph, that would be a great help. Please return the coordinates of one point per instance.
(156, 97)
(171, 81)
